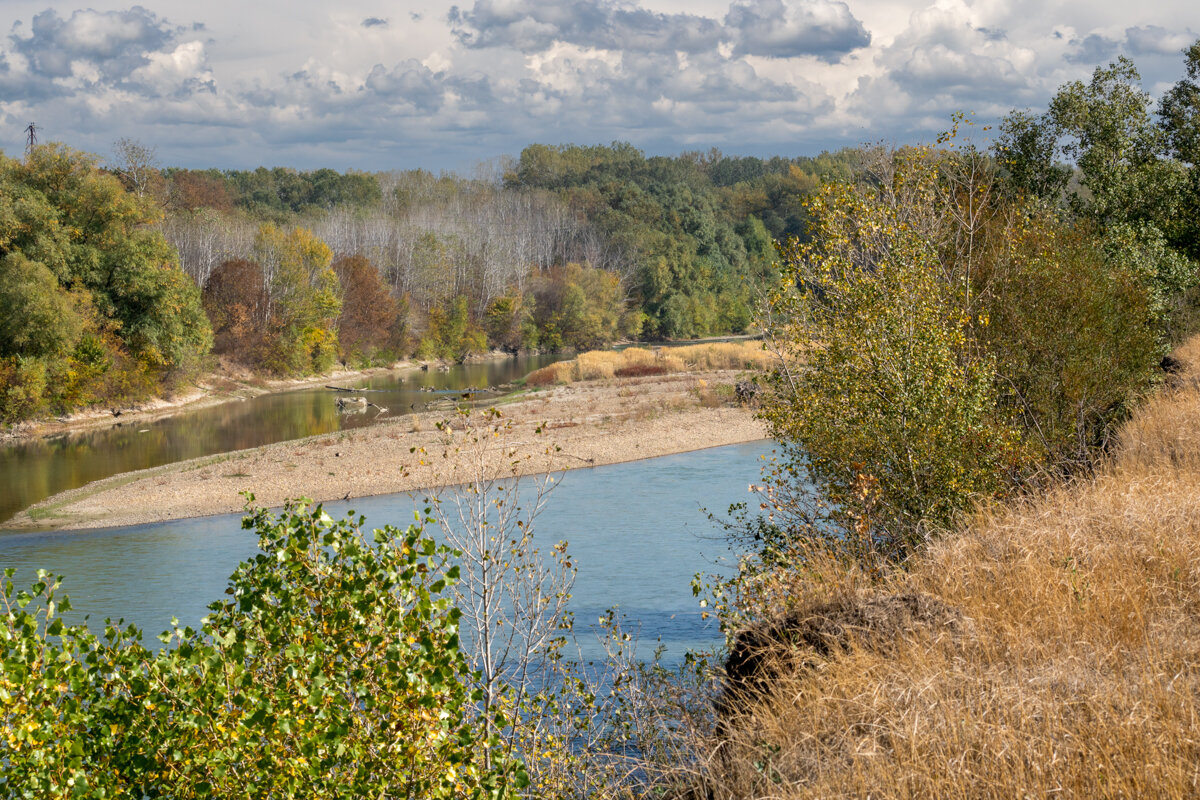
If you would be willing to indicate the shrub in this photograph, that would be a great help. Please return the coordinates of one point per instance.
(941, 346)
(333, 670)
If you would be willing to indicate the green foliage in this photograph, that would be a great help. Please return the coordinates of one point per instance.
(1179, 113)
(1134, 180)
(696, 228)
(940, 346)
(578, 307)
(1027, 148)
(1071, 326)
(23, 388)
(1111, 137)
(37, 316)
(333, 670)
(451, 334)
(304, 299)
(274, 192)
(510, 324)
(80, 263)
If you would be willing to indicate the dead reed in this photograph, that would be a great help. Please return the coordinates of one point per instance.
(601, 364)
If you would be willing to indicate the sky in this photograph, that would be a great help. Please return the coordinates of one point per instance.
(373, 85)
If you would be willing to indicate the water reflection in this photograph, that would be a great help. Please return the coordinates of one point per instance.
(34, 470)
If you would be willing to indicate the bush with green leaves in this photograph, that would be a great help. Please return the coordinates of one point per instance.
(941, 345)
(90, 295)
(333, 670)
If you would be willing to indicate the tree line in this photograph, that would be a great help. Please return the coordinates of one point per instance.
(291, 272)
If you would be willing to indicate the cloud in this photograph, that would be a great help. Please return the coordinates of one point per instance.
(1092, 49)
(771, 76)
(92, 51)
(114, 42)
(773, 28)
(1156, 40)
(784, 29)
(535, 25)
(408, 82)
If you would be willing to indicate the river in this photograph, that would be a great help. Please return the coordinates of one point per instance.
(637, 533)
(33, 470)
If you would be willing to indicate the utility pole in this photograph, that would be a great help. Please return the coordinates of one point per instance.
(30, 139)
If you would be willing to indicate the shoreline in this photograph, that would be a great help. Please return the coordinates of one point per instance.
(213, 389)
(224, 385)
(588, 423)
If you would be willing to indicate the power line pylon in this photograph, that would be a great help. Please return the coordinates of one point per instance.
(30, 139)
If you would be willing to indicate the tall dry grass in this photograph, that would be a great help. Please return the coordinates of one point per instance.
(1076, 672)
(601, 364)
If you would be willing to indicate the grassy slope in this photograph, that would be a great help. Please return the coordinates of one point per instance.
(1077, 673)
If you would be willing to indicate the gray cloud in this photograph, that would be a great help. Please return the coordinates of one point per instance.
(374, 22)
(1156, 40)
(772, 28)
(114, 42)
(408, 82)
(535, 25)
(90, 51)
(1093, 49)
(787, 28)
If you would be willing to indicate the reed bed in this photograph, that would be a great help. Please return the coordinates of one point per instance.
(634, 361)
(1075, 671)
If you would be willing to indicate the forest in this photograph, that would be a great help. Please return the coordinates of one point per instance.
(289, 273)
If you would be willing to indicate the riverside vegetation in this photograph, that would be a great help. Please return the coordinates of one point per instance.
(156, 274)
(973, 571)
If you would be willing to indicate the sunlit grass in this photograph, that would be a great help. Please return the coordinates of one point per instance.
(1074, 674)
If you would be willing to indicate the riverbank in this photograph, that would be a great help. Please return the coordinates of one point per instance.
(564, 427)
(228, 384)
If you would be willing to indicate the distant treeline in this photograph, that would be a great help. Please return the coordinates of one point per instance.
(688, 239)
(290, 271)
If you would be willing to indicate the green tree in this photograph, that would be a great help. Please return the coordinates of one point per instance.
(81, 250)
(333, 670)
(303, 298)
(1179, 113)
(38, 317)
(1028, 149)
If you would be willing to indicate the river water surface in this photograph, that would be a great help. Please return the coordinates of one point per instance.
(34, 470)
(636, 531)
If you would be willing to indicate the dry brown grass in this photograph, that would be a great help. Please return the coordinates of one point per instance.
(1078, 674)
(601, 364)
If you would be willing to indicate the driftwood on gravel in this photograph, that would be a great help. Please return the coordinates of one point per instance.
(344, 389)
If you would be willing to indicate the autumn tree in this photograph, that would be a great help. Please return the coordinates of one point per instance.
(80, 248)
(939, 346)
(370, 322)
(235, 299)
(303, 300)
